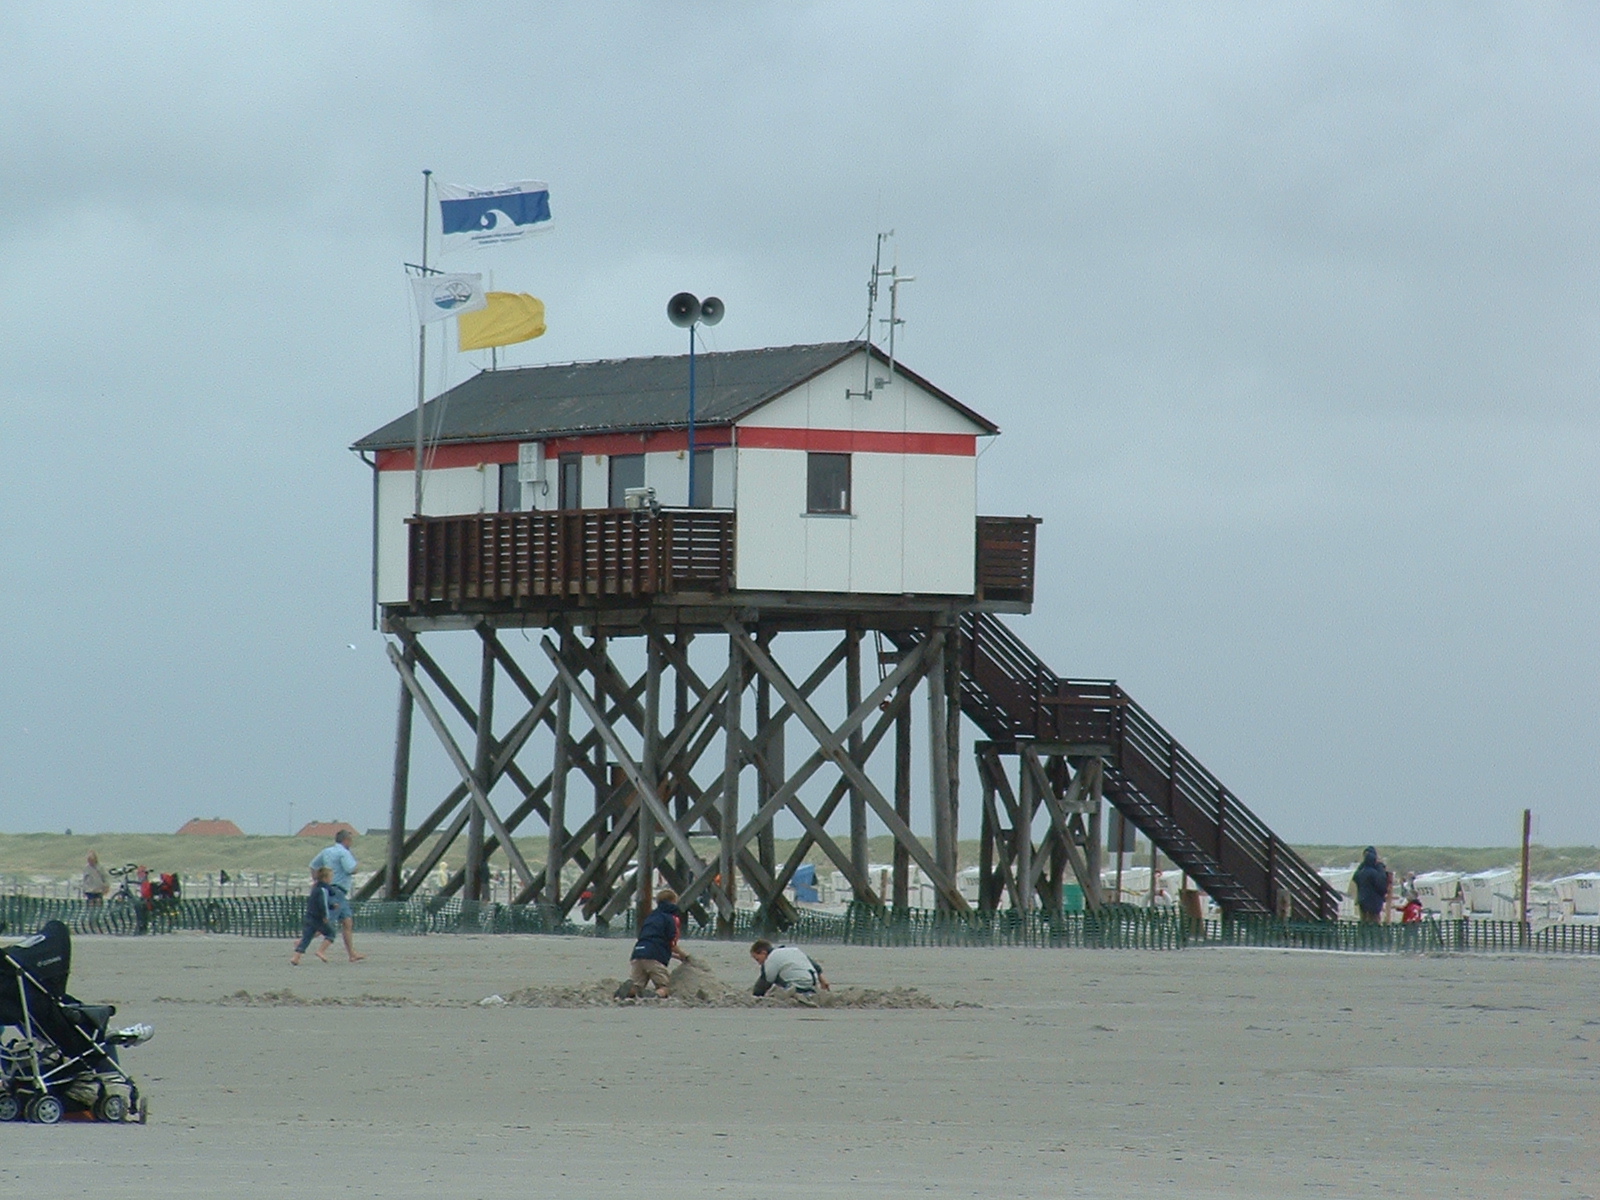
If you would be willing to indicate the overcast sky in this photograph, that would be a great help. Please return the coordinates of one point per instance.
(1288, 314)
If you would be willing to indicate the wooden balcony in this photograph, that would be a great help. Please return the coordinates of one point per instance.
(1006, 552)
(506, 558)
(491, 561)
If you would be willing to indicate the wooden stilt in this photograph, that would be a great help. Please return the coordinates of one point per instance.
(476, 868)
(395, 858)
(859, 850)
(902, 797)
(732, 720)
(651, 765)
(560, 769)
(939, 754)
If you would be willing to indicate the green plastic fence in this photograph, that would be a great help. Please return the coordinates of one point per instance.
(1115, 927)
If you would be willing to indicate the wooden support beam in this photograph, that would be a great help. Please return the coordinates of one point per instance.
(831, 745)
(395, 858)
(647, 791)
(938, 751)
(560, 770)
(859, 851)
(476, 866)
(459, 761)
(505, 754)
(1034, 770)
(652, 771)
(901, 885)
(732, 719)
(991, 766)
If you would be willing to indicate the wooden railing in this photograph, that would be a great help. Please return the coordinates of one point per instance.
(506, 558)
(1006, 557)
(1009, 692)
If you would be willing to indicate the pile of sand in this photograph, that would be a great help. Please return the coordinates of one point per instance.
(286, 998)
(696, 985)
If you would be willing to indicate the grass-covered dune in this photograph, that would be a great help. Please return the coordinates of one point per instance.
(60, 856)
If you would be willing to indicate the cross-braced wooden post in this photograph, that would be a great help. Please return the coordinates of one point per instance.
(658, 787)
(1067, 788)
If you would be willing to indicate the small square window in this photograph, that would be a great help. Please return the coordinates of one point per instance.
(627, 471)
(827, 483)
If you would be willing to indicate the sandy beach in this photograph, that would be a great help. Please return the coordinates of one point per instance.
(1204, 1073)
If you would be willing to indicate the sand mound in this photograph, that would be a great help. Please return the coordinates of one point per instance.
(695, 985)
(286, 998)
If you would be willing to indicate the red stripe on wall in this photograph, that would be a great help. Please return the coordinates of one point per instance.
(473, 453)
(441, 458)
(857, 441)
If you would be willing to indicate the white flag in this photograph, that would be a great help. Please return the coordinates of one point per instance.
(441, 296)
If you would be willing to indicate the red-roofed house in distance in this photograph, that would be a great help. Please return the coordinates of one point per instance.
(324, 829)
(215, 827)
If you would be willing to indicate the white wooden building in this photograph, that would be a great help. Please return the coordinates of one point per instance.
(844, 477)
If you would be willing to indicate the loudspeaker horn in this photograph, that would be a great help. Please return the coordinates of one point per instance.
(711, 310)
(683, 310)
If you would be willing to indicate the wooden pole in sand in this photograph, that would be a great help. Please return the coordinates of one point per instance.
(560, 768)
(651, 767)
(402, 785)
(1527, 833)
(732, 721)
(480, 766)
(859, 851)
(901, 884)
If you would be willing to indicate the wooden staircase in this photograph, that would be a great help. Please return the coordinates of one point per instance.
(1010, 694)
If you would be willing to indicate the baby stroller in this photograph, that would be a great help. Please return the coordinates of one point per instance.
(56, 1055)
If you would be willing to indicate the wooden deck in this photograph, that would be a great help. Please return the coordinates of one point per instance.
(489, 561)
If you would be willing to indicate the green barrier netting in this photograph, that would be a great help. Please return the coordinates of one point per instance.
(1114, 927)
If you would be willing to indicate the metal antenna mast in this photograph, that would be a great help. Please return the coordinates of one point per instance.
(895, 280)
(872, 303)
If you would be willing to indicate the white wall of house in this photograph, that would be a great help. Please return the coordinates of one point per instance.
(912, 524)
(911, 528)
(445, 493)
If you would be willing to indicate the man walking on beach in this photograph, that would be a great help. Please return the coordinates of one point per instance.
(338, 859)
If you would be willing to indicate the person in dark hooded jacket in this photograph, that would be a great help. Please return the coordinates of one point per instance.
(656, 948)
(1372, 887)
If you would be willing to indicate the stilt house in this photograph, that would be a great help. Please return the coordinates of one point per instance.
(818, 469)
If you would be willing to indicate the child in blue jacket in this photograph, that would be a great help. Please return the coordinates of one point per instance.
(319, 905)
(656, 948)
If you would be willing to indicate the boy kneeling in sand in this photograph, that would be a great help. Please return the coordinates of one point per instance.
(786, 967)
(657, 946)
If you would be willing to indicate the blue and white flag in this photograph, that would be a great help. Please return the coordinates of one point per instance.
(441, 296)
(492, 216)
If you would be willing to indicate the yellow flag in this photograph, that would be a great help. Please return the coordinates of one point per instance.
(511, 317)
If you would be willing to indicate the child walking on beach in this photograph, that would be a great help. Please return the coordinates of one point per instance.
(318, 906)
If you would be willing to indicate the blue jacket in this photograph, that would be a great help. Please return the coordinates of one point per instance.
(1372, 882)
(658, 934)
(317, 905)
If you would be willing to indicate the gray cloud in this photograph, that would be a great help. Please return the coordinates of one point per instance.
(1288, 315)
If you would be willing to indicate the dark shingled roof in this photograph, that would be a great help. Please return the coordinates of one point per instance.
(623, 395)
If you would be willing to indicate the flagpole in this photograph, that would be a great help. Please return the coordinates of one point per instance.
(691, 416)
(422, 361)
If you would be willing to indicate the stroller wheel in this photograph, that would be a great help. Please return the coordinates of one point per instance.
(111, 1107)
(45, 1110)
(10, 1107)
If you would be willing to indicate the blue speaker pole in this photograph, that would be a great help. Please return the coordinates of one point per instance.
(691, 415)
